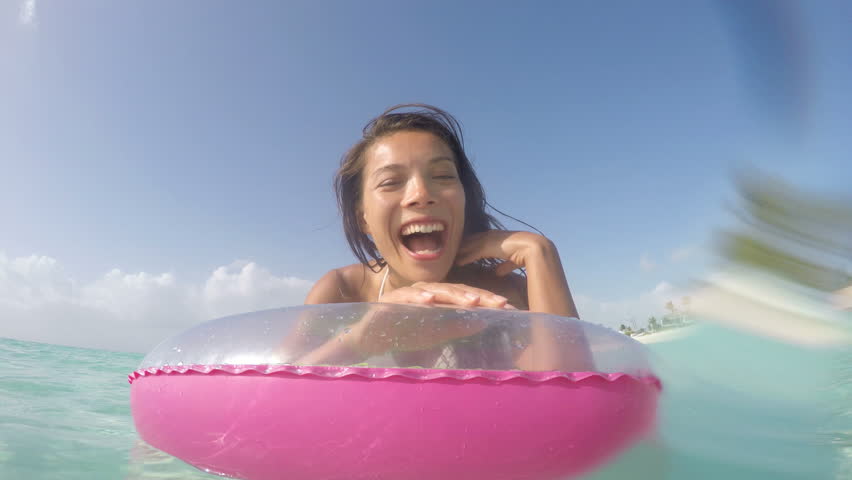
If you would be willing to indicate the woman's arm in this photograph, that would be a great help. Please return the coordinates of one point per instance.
(296, 347)
(378, 330)
(547, 288)
(547, 292)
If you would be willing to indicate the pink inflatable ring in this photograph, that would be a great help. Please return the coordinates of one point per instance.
(379, 391)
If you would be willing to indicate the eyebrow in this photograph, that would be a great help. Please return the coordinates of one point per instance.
(396, 166)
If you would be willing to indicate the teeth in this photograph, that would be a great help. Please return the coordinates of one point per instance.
(422, 228)
(427, 252)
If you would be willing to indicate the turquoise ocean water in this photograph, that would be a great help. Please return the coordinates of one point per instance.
(734, 406)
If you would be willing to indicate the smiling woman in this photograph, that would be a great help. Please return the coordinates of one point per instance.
(361, 387)
(412, 206)
(414, 215)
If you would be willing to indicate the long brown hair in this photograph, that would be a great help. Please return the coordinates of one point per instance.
(349, 178)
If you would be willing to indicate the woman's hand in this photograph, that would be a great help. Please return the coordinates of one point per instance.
(425, 293)
(547, 288)
(516, 249)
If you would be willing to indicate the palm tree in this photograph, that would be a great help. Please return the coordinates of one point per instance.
(670, 318)
(653, 324)
(684, 314)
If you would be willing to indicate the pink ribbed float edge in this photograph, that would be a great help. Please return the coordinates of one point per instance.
(265, 422)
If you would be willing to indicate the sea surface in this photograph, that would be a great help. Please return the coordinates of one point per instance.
(734, 406)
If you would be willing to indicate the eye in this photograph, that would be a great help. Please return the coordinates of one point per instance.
(388, 183)
(445, 176)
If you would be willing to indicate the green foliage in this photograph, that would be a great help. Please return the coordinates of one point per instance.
(653, 324)
(801, 237)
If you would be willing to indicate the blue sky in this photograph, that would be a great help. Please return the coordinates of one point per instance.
(145, 147)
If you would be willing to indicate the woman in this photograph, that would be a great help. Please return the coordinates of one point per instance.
(414, 215)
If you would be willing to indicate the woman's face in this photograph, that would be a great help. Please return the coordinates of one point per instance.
(413, 204)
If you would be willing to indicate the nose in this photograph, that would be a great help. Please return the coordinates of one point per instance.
(418, 193)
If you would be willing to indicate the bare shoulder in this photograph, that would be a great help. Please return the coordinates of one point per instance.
(341, 285)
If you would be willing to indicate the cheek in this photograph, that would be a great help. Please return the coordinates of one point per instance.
(459, 202)
(374, 216)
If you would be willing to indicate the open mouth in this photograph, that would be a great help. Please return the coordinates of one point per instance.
(424, 240)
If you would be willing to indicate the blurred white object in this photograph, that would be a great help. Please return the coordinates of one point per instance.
(843, 298)
(770, 307)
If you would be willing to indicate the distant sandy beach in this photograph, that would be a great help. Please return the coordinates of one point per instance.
(666, 335)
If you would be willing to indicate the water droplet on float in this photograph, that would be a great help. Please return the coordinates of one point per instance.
(460, 311)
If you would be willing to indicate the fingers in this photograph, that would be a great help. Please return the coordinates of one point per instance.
(445, 293)
(460, 294)
(410, 295)
(506, 268)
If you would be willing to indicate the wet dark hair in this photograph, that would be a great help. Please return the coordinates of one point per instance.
(348, 181)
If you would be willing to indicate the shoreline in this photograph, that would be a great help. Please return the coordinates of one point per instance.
(665, 335)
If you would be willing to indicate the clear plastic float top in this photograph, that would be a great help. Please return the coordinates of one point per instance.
(403, 336)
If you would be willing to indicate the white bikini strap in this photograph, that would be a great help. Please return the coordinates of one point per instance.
(384, 279)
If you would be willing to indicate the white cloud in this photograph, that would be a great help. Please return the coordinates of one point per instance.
(682, 253)
(663, 288)
(128, 311)
(134, 311)
(27, 15)
(244, 286)
(646, 264)
(26, 281)
(638, 308)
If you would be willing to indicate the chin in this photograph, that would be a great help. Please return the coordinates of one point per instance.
(429, 275)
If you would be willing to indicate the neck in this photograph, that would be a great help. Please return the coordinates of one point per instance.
(394, 280)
